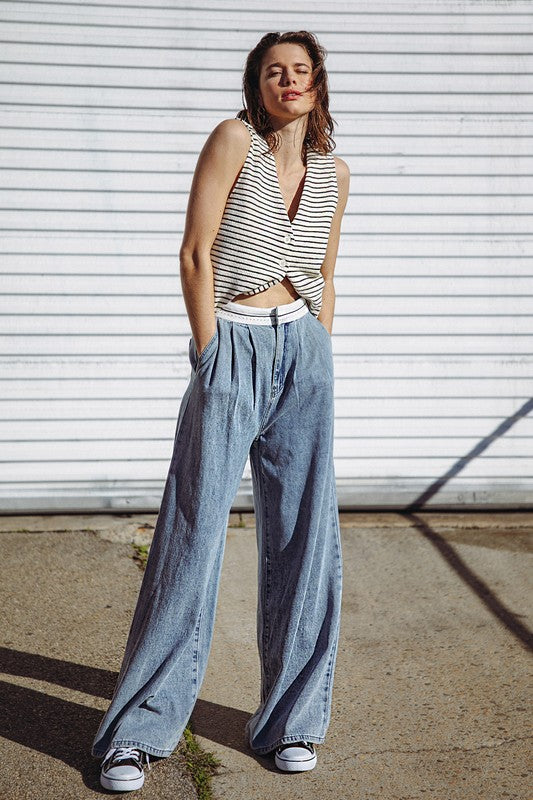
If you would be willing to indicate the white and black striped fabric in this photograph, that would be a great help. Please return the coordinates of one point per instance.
(257, 244)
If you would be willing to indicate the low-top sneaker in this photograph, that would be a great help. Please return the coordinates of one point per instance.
(122, 769)
(295, 756)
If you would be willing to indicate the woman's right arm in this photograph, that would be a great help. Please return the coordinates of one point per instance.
(219, 163)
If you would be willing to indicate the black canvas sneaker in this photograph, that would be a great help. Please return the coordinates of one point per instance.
(122, 769)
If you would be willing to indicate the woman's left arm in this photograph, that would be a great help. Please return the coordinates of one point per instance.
(328, 265)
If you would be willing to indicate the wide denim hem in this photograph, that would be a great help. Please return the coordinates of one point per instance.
(304, 737)
(147, 748)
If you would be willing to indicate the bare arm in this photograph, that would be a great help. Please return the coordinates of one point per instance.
(219, 163)
(328, 265)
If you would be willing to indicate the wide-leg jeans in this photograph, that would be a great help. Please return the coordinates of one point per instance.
(262, 387)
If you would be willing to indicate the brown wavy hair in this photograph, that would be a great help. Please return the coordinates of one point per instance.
(319, 121)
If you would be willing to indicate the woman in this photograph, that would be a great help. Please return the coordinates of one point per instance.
(256, 264)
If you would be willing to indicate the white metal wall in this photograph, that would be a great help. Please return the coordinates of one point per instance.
(104, 109)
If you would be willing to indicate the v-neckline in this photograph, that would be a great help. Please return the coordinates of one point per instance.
(276, 176)
(304, 188)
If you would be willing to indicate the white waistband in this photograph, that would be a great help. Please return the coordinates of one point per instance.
(257, 315)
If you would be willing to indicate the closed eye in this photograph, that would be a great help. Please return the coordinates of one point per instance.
(299, 71)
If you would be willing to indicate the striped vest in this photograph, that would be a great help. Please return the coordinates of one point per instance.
(257, 244)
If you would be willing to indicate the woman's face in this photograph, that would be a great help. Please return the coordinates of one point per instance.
(287, 67)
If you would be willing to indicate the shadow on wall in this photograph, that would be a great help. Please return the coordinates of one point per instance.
(420, 502)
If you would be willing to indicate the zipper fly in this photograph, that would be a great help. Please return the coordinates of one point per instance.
(277, 381)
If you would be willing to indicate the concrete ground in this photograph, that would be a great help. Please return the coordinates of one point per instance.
(430, 695)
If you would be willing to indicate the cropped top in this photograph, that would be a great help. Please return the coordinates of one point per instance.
(257, 245)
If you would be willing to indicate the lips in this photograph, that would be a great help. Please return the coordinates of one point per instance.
(290, 95)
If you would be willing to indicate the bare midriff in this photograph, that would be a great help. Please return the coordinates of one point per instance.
(277, 295)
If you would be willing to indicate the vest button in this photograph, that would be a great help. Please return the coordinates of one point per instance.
(287, 238)
(282, 262)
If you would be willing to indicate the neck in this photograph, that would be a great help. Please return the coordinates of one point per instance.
(292, 135)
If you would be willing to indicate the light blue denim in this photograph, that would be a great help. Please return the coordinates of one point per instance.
(265, 391)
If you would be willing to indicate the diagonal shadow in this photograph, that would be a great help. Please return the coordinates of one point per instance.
(81, 678)
(478, 586)
(459, 465)
(486, 595)
(58, 728)
(223, 725)
(64, 729)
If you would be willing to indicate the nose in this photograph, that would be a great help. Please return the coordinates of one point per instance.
(287, 80)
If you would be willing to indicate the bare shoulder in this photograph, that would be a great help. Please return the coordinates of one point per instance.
(343, 180)
(232, 134)
(224, 153)
(342, 169)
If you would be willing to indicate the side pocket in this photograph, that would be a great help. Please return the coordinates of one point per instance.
(198, 359)
(324, 330)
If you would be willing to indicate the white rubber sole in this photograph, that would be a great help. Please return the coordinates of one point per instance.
(117, 785)
(293, 765)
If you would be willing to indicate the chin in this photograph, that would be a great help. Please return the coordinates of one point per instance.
(295, 109)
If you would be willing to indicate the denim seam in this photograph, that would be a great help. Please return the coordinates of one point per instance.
(329, 674)
(263, 419)
(268, 405)
(281, 385)
(338, 531)
(179, 431)
(267, 586)
(195, 654)
(329, 682)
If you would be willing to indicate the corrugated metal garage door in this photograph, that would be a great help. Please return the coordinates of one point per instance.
(105, 108)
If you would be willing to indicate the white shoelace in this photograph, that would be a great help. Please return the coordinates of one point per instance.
(123, 753)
